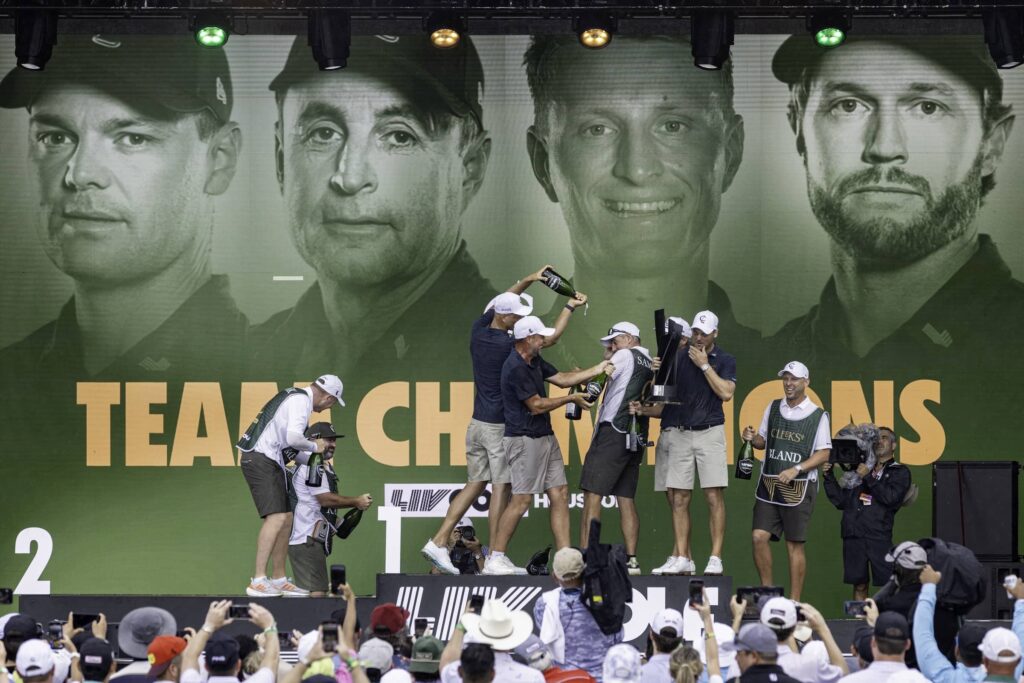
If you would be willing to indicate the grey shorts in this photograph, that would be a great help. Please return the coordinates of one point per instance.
(309, 565)
(780, 520)
(682, 452)
(267, 482)
(485, 453)
(536, 463)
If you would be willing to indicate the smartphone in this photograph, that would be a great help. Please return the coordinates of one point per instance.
(476, 603)
(238, 611)
(6, 596)
(854, 608)
(696, 592)
(419, 627)
(284, 639)
(330, 638)
(338, 576)
(55, 632)
(83, 620)
(754, 595)
(799, 614)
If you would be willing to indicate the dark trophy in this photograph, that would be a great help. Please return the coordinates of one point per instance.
(668, 335)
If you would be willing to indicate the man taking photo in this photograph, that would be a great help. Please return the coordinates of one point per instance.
(868, 514)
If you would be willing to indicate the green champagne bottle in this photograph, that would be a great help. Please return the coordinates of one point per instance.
(315, 470)
(595, 386)
(573, 411)
(349, 522)
(561, 285)
(745, 462)
(633, 436)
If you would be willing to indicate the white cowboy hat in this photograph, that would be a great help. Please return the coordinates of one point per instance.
(498, 626)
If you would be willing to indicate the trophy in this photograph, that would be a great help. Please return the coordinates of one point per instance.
(668, 335)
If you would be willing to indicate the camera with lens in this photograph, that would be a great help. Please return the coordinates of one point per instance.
(467, 533)
(847, 453)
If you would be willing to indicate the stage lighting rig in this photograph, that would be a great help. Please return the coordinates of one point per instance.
(445, 28)
(711, 35)
(594, 29)
(330, 37)
(35, 34)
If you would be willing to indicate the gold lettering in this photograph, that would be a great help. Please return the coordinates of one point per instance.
(202, 399)
(432, 422)
(254, 396)
(370, 423)
(912, 408)
(98, 397)
(140, 424)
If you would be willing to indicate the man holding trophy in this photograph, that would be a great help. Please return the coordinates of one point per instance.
(798, 439)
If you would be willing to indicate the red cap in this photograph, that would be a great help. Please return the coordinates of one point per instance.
(388, 617)
(162, 651)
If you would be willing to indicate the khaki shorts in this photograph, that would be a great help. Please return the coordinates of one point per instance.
(536, 463)
(485, 453)
(309, 565)
(681, 451)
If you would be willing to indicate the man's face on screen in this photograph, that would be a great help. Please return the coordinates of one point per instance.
(637, 152)
(894, 152)
(374, 188)
(121, 189)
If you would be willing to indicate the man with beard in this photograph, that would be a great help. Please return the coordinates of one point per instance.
(377, 162)
(638, 166)
(901, 138)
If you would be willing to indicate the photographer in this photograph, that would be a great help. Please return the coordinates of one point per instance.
(315, 520)
(222, 660)
(868, 513)
(465, 551)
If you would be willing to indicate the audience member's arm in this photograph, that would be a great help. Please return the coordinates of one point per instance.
(1018, 621)
(710, 641)
(737, 607)
(296, 673)
(348, 627)
(4, 678)
(351, 657)
(821, 629)
(453, 650)
(75, 672)
(870, 612)
(264, 620)
(216, 617)
(932, 663)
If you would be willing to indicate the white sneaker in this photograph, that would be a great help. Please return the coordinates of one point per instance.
(288, 589)
(501, 566)
(262, 588)
(438, 557)
(686, 567)
(714, 567)
(666, 568)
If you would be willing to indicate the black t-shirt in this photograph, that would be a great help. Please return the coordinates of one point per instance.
(489, 348)
(698, 404)
(519, 381)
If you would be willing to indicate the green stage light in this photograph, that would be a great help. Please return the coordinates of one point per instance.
(829, 28)
(211, 29)
(211, 36)
(830, 36)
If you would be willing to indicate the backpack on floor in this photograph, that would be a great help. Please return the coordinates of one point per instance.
(606, 584)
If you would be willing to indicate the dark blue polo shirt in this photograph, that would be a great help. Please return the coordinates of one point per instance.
(520, 381)
(698, 404)
(489, 348)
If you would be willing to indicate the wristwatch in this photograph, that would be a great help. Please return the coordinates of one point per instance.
(799, 468)
(705, 367)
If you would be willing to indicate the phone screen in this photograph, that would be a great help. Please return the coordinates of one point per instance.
(476, 603)
(854, 608)
(696, 592)
(83, 620)
(330, 637)
(238, 611)
(420, 627)
(338, 576)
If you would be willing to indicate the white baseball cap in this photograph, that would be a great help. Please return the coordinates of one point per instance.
(377, 654)
(687, 332)
(620, 328)
(999, 645)
(705, 321)
(531, 325)
(797, 369)
(332, 385)
(508, 303)
(779, 613)
(668, 618)
(35, 658)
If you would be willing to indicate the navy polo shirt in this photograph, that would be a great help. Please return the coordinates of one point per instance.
(698, 404)
(489, 348)
(519, 381)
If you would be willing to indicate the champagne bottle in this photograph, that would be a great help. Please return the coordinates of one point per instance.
(745, 461)
(315, 470)
(573, 411)
(349, 522)
(561, 285)
(595, 386)
(633, 436)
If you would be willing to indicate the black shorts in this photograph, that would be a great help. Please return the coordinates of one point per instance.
(789, 521)
(608, 468)
(267, 482)
(861, 553)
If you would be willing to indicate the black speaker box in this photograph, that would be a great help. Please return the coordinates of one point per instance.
(975, 504)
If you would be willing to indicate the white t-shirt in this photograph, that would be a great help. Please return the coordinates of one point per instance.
(288, 426)
(615, 391)
(505, 669)
(822, 438)
(811, 665)
(396, 676)
(263, 675)
(307, 509)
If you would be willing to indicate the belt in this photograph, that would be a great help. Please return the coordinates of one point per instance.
(699, 428)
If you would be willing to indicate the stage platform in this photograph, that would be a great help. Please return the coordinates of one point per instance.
(438, 599)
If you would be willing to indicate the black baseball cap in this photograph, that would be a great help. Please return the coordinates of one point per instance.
(322, 430)
(965, 56)
(171, 71)
(969, 638)
(21, 627)
(406, 61)
(221, 653)
(862, 641)
(97, 656)
(892, 626)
